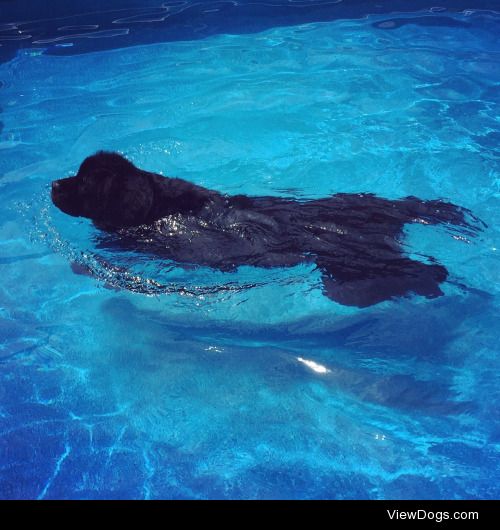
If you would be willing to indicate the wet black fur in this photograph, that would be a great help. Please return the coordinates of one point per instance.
(354, 239)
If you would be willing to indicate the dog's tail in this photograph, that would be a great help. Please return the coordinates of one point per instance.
(441, 212)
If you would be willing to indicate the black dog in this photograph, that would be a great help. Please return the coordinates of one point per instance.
(352, 238)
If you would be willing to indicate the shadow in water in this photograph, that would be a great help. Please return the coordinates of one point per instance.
(402, 330)
(403, 359)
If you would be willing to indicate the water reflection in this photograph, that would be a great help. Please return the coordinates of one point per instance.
(151, 21)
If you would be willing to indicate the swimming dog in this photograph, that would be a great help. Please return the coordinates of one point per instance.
(354, 239)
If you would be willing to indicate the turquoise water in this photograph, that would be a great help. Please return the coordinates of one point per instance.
(265, 388)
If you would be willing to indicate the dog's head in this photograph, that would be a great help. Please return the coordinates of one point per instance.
(108, 189)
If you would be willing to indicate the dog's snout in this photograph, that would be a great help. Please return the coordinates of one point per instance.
(55, 189)
(64, 195)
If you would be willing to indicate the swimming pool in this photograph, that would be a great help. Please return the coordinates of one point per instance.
(265, 388)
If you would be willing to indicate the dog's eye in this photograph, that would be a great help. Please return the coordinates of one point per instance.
(86, 186)
(93, 178)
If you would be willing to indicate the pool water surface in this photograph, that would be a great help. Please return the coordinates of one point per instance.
(251, 384)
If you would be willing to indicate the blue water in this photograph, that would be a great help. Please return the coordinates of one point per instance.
(250, 384)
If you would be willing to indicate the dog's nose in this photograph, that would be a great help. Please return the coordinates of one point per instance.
(55, 192)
